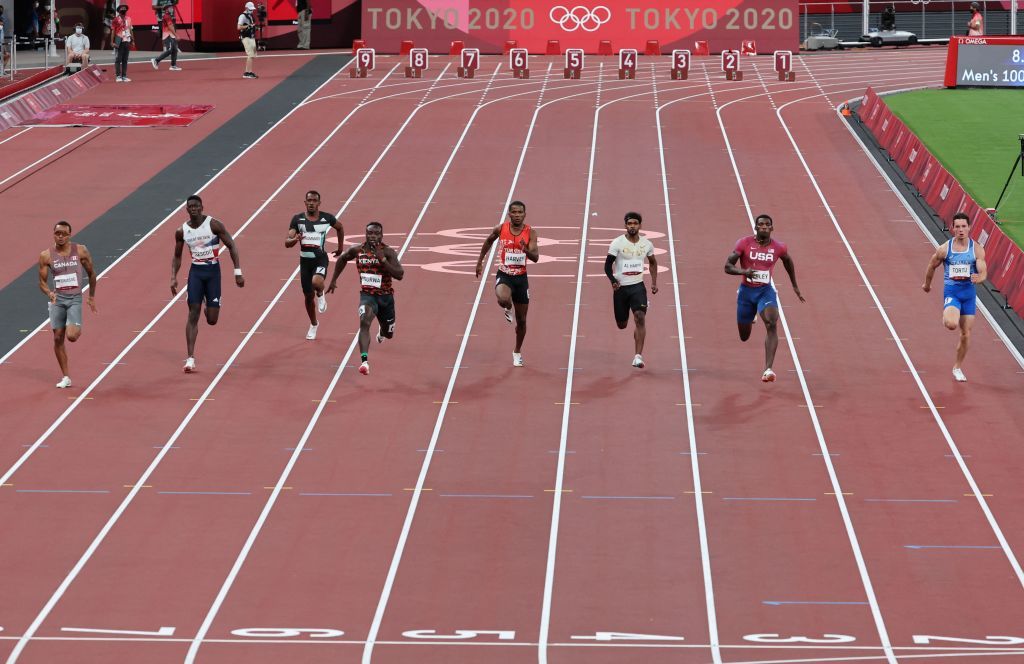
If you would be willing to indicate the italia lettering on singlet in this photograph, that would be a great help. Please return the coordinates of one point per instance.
(960, 265)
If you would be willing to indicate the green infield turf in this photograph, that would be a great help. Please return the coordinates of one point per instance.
(973, 132)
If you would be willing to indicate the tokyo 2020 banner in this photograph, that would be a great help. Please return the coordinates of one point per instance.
(487, 24)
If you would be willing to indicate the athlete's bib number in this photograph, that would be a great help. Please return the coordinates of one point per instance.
(760, 277)
(515, 258)
(65, 281)
(632, 266)
(310, 239)
(202, 254)
(370, 280)
(959, 271)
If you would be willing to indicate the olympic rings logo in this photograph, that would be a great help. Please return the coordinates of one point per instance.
(580, 17)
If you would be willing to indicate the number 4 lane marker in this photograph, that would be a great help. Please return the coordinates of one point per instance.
(163, 631)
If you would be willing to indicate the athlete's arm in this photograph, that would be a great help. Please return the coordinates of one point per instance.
(345, 257)
(531, 250)
(979, 260)
(488, 241)
(391, 264)
(787, 263)
(609, 262)
(653, 263)
(220, 231)
(44, 273)
(179, 243)
(936, 261)
(293, 234)
(341, 233)
(730, 266)
(86, 258)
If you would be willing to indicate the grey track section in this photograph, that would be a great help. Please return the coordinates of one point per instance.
(1005, 317)
(108, 236)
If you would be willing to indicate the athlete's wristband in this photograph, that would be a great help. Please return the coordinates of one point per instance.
(238, 271)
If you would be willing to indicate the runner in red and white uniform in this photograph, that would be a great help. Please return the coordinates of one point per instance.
(65, 261)
(517, 242)
(757, 255)
(377, 264)
(206, 238)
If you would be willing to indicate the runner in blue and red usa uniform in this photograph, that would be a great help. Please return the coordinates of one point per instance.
(757, 255)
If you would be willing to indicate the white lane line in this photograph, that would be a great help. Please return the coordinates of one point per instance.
(42, 159)
(858, 555)
(705, 553)
(975, 489)
(178, 209)
(15, 135)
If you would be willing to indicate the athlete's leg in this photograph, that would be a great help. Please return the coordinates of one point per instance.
(640, 333)
(212, 315)
(60, 351)
(966, 323)
(951, 315)
(746, 311)
(504, 293)
(192, 327)
(521, 309)
(311, 305)
(73, 332)
(366, 316)
(770, 316)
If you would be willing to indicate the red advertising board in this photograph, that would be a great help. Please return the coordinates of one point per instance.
(488, 24)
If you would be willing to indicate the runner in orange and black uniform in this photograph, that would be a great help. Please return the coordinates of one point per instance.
(517, 243)
(377, 264)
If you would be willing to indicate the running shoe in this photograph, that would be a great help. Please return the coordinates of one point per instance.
(321, 303)
(958, 375)
(64, 382)
(638, 361)
(311, 334)
(364, 368)
(156, 65)
(508, 315)
(125, 79)
(190, 365)
(380, 338)
(118, 79)
(768, 376)
(517, 359)
(175, 68)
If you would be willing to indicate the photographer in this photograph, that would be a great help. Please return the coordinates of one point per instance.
(122, 30)
(247, 32)
(305, 22)
(170, 39)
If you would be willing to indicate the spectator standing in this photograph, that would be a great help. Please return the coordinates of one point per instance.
(170, 37)
(109, 13)
(122, 31)
(305, 22)
(247, 33)
(77, 47)
(5, 57)
(976, 24)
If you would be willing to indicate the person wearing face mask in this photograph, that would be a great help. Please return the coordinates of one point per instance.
(122, 31)
(109, 13)
(247, 33)
(77, 47)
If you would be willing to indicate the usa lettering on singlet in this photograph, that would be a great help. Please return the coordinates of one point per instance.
(960, 265)
(202, 242)
(67, 271)
(629, 259)
(511, 257)
(759, 258)
(312, 234)
(371, 275)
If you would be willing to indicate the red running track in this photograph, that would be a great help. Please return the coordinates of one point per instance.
(277, 506)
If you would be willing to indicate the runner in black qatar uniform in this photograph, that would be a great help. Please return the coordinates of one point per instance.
(309, 230)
